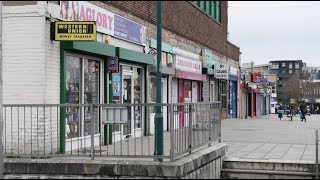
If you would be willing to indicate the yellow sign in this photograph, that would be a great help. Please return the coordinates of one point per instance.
(75, 31)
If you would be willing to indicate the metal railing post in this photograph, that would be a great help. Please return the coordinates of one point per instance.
(210, 122)
(92, 131)
(317, 163)
(190, 129)
(171, 132)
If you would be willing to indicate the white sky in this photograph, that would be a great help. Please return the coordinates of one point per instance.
(275, 30)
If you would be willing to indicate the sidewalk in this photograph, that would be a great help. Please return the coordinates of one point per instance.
(269, 138)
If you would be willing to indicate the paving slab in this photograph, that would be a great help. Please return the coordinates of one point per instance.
(267, 137)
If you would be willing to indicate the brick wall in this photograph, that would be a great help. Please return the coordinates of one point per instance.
(183, 19)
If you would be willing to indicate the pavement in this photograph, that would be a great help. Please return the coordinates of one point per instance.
(270, 138)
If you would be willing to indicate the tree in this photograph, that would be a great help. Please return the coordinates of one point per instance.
(294, 88)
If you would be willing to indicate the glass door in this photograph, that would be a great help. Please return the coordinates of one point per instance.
(127, 92)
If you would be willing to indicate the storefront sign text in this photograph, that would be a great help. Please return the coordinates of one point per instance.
(221, 71)
(85, 11)
(106, 21)
(189, 65)
(75, 31)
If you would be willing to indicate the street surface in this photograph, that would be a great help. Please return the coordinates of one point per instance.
(269, 138)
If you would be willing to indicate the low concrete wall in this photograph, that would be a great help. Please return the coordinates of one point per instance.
(204, 164)
(234, 168)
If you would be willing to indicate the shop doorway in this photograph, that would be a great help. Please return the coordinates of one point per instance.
(130, 81)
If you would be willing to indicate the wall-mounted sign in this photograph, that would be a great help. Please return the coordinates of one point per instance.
(189, 65)
(74, 31)
(208, 59)
(85, 11)
(107, 22)
(129, 30)
(221, 71)
(113, 64)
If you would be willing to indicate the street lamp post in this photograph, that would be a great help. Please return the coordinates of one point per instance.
(1, 99)
(159, 117)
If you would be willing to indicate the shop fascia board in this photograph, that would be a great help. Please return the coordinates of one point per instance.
(94, 48)
(134, 56)
(165, 47)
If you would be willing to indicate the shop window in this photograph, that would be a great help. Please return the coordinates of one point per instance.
(223, 94)
(187, 91)
(212, 8)
(82, 87)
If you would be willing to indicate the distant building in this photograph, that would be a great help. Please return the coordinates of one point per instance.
(284, 69)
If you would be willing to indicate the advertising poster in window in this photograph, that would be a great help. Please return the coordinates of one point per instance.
(116, 84)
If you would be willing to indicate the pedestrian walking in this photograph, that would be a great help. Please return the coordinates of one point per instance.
(303, 110)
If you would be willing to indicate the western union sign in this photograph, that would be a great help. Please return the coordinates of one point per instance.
(75, 31)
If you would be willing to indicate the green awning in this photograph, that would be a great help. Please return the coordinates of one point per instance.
(134, 56)
(93, 48)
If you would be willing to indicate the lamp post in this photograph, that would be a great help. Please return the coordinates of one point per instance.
(159, 117)
(1, 99)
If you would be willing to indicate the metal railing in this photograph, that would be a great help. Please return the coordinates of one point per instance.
(317, 154)
(108, 130)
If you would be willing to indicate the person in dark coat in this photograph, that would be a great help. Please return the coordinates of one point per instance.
(303, 109)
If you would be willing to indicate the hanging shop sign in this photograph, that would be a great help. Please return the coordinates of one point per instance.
(113, 64)
(189, 65)
(74, 31)
(233, 71)
(256, 77)
(221, 71)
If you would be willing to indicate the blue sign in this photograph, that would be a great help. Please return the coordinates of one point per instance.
(129, 30)
(116, 84)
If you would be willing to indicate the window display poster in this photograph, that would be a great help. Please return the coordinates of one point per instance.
(116, 84)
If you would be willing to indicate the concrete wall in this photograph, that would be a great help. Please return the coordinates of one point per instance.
(203, 164)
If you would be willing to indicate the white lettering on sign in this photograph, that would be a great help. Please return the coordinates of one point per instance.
(189, 65)
(221, 71)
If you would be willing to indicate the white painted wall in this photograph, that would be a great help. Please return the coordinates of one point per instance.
(31, 75)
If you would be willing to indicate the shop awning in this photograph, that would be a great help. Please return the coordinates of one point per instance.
(190, 75)
(134, 56)
(94, 48)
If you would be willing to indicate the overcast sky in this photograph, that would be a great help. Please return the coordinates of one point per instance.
(271, 30)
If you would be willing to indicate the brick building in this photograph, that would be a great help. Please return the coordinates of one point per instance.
(53, 72)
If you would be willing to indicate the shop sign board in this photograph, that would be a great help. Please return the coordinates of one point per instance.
(221, 71)
(233, 71)
(113, 64)
(130, 31)
(107, 22)
(189, 65)
(74, 31)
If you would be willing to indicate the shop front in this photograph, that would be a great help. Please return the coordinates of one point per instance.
(209, 89)
(167, 72)
(233, 93)
(187, 84)
(87, 77)
(221, 74)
